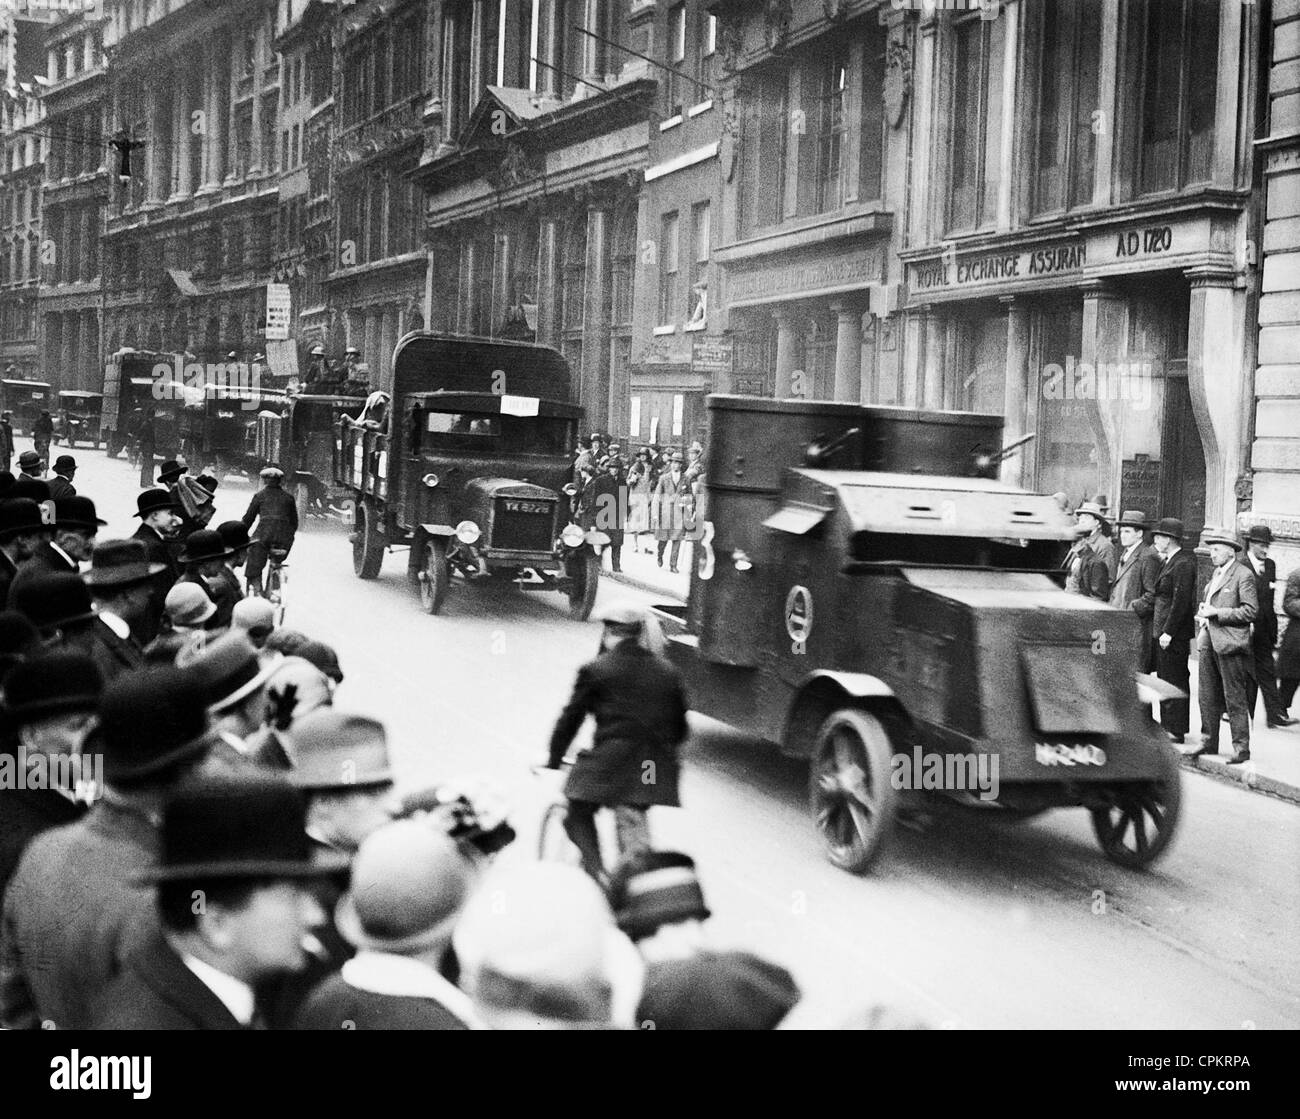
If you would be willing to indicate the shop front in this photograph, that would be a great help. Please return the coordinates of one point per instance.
(1118, 347)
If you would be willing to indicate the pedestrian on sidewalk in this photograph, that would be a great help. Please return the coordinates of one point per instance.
(672, 496)
(6, 440)
(1135, 578)
(1263, 639)
(65, 469)
(1172, 605)
(640, 483)
(1090, 564)
(1288, 656)
(1223, 647)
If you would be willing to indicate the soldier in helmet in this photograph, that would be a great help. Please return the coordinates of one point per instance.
(639, 704)
(317, 370)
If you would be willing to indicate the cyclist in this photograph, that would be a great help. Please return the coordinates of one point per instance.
(639, 705)
(277, 522)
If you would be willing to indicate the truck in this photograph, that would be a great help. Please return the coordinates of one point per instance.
(300, 438)
(135, 389)
(26, 400)
(470, 471)
(869, 597)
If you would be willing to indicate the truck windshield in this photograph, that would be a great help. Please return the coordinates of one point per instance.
(486, 431)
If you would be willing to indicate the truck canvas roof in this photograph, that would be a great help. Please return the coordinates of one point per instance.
(426, 362)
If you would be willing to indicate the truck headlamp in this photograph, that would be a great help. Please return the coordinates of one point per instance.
(741, 560)
(467, 532)
(572, 536)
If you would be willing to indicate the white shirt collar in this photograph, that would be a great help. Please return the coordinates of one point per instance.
(235, 995)
(116, 624)
(75, 565)
(383, 973)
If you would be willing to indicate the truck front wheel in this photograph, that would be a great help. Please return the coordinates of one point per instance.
(367, 544)
(852, 799)
(1139, 823)
(435, 577)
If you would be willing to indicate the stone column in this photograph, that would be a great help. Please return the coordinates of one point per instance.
(502, 262)
(182, 136)
(868, 372)
(933, 377)
(1216, 326)
(156, 149)
(848, 352)
(372, 348)
(1107, 94)
(387, 343)
(1105, 344)
(787, 350)
(548, 282)
(68, 340)
(1015, 469)
(595, 316)
(255, 129)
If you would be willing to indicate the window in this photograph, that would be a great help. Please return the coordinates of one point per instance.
(668, 266)
(284, 149)
(674, 92)
(1173, 48)
(821, 162)
(456, 39)
(1065, 150)
(763, 132)
(704, 58)
(975, 137)
(697, 308)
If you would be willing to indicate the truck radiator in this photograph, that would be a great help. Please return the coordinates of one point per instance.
(522, 526)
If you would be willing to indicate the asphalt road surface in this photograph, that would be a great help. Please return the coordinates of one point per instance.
(966, 924)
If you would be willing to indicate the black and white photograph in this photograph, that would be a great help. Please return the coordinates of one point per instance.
(646, 515)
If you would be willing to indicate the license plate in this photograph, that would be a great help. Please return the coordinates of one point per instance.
(1069, 753)
(527, 507)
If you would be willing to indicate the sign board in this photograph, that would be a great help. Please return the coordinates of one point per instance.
(282, 357)
(277, 312)
(712, 355)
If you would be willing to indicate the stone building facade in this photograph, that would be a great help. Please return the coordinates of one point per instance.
(22, 159)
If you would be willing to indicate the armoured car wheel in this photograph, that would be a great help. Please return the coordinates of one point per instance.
(1122, 826)
(853, 801)
(367, 547)
(435, 578)
(583, 569)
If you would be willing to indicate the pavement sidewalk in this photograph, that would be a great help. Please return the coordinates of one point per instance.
(1274, 765)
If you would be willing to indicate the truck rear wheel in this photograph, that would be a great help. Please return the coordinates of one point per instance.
(435, 577)
(1122, 826)
(583, 570)
(367, 544)
(853, 801)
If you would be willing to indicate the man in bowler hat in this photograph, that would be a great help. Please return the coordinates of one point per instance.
(24, 527)
(65, 469)
(74, 909)
(75, 527)
(121, 580)
(160, 519)
(1172, 602)
(1223, 648)
(204, 556)
(1135, 577)
(239, 843)
(1264, 632)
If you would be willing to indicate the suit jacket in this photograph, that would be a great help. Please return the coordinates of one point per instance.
(72, 914)
(639, 706)
(44, 561)
(672, 501)
(1135, 577)
(1238, 603)
(1173, 599)
(7, 572)
(1093, 578)
(60, 487)
(24, 814)
(111, 654)
(276, 514)
(159, 552)
(1264, 635)
(1288, 655)
(156, 991)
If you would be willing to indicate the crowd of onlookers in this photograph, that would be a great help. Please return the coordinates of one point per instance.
(194, 836)
(657, 494)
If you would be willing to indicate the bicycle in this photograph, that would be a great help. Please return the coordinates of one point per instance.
(553, 842)
(274, 582)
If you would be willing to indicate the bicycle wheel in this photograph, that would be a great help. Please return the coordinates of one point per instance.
(274, 592)
(553, 844)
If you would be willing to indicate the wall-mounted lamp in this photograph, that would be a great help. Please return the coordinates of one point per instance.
(741, 560)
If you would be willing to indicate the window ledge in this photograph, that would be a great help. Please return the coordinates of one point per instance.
(689, 327)
(670, 123)
(702, 107)
(664, 330)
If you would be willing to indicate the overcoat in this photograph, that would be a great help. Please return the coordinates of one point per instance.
(1288, 655)
(639, 705)
(156, 991)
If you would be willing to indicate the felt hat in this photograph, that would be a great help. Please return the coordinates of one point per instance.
(52, 684)
(64, 462)
(1171, 527)
(205, 544)
(1098, 511)
(76, 512)
(717, 991)
(244, 826)
(29, 460)
(235, 536)
(1132, 518)
(1259, 534)
(121, 563)
(170, 470)
(50, 601)
(188, 604)
(151, 721)
(26, 485)
(150, 501)
(335, 750)
(1221, 536)
(228, 669)
(19, 515)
